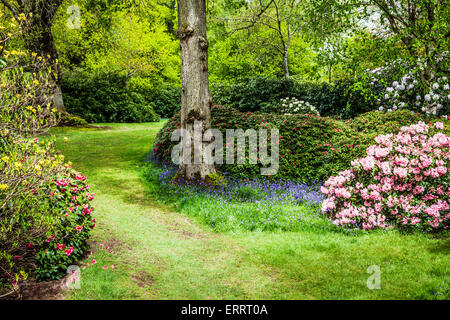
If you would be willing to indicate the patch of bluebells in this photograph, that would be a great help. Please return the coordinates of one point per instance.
(281, 191)
(264, 205)
(443, 293)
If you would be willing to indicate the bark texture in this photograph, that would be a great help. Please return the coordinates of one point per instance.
(39, 37)
(41, 40)
(195, 96)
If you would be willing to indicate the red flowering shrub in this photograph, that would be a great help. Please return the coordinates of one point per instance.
(403, 181)
(69, 200)
(311, 147)
(45, 215)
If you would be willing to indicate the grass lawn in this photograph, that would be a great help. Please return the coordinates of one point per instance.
(165, 254)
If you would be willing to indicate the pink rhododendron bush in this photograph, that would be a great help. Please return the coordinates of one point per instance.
(403, 181)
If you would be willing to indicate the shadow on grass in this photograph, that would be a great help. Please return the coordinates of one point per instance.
(440, 247)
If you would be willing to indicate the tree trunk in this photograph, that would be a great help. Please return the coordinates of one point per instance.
(48, 48)
(329, 72)
(286, 63)
(195, 96)
(40, 40)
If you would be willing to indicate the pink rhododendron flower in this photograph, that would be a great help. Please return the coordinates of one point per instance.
(402, 181)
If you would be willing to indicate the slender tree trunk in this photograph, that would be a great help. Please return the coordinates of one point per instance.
(329, 72)
(286, 63)
(195, 96)
(286, 49)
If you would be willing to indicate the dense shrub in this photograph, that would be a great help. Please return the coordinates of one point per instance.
(69, 199)
(22, 215)
(104, 98)
(255, 94)
(165, 99)
(44, 202)
(403, 181)
(311, 147)
(101, 98)
(68, 120)
(375, 122)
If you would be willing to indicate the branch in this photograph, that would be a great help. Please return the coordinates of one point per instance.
(254, 19)
(11, 8)
(8, 294)
(280, 31)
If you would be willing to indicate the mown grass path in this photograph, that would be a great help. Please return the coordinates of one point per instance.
(163, 254)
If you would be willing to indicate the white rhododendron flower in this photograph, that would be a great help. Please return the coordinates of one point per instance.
(293, 106)
(409, 90)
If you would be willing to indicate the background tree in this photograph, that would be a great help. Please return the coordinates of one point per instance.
(282, 17)
(137, 49)
(243, 54)
(132, 40)
(331, 55)
(422, 26)
(290, 30)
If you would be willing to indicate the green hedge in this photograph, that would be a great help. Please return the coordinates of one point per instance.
(391, 122)
(103, 98)
(164, 99)
(264, 94)
(255, 94)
